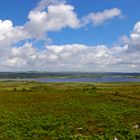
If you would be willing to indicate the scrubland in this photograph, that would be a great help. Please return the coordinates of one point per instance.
(69, 111)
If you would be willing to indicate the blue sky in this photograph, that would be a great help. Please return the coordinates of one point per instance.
(17, 11)
(96, 25)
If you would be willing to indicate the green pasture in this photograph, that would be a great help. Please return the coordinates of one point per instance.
(69, 111)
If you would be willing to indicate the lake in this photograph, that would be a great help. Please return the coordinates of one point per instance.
(70, 77)
(102, 79)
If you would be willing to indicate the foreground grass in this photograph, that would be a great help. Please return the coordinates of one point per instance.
(39, 111)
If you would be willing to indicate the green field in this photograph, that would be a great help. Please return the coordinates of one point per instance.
(69, 111)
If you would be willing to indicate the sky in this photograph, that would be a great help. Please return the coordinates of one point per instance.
(70, 35)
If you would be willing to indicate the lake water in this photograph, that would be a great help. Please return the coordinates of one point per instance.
(60, 80)
(103, 79)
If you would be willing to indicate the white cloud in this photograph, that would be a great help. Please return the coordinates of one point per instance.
(137, 27)
(55, 18)
(133, 40)
(101, 17)
(43, 4)
(23, 51)
(10, 34)
(19, 57)
(74, 57)
(5, 26)
(16, 63)
(51, 16)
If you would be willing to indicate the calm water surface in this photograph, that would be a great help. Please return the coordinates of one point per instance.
(105, 79)
(102, 79)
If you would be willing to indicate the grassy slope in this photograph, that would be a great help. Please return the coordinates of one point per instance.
(30, 110)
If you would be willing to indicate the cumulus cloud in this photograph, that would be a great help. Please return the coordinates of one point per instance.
(133, 40)
(5, 26)
(10, 34)
(55, 18)
(19, 57)
(77, 57)
(101, 17)
(74, 57)
(54, 15)
(43, 4)
(16, 62)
